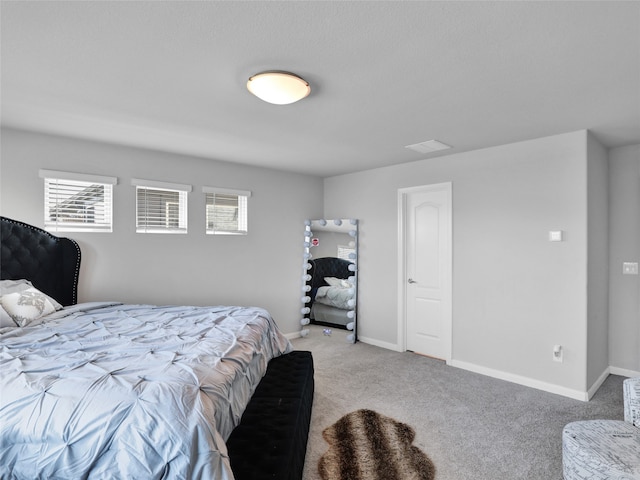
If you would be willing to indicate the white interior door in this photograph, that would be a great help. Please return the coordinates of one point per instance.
(427, 270)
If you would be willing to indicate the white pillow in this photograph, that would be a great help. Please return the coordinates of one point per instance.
(333, 281)
(5, 319)
(24, 303)
(337, 282)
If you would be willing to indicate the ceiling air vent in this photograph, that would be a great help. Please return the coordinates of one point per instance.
(429, 146)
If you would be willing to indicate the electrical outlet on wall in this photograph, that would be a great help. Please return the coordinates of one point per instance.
(557, 353)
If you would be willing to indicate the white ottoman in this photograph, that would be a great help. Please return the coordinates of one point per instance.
(631, 389)
(601, 450)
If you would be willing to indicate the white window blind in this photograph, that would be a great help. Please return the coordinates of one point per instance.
(346, 252)
(160, 207)
(226, 211)
(75, 202)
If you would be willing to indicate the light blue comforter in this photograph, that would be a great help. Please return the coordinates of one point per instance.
(130, 391)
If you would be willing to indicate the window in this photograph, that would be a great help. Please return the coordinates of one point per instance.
(160, 207)
(76, 202)
(226, 211)
(346, 252)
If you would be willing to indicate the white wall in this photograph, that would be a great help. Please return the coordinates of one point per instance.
(624, 246)
(515, 294)
(262, 268)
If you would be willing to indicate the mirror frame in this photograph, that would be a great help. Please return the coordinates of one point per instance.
(350, 227)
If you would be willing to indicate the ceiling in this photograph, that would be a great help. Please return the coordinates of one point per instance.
(171, 75)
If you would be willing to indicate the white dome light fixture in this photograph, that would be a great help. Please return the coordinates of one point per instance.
(279, 88)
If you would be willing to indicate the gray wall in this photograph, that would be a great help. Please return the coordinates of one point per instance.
(597, 263)
(329, 242)
(515, 294)
(624, 246)
(262, 268)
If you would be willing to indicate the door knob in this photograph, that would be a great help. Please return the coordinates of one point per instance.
(411, 280)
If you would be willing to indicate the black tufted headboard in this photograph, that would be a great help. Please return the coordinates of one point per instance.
(325, 267)
(50, 263)
(328, 267)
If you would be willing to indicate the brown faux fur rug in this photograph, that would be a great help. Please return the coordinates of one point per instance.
(364, 445)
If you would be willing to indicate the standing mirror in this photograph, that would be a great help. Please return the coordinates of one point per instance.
(330, 277)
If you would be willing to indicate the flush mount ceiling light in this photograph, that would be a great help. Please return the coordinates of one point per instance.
(279, 88)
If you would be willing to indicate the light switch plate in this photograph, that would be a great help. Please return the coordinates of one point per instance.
(555, 236)
(630, 268)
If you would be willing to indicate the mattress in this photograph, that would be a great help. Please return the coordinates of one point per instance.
(331, 315)
(130, 391)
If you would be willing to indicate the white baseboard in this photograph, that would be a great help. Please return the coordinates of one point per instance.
(624, 372)
(598, 383)
(511, 377)
(521, 380)
(378, 343)
(545, 386)
(293, 335)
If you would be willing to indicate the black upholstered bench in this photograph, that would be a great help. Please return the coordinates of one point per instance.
(271, 440)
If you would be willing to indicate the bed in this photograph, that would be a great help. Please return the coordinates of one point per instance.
(332, 295)
(107, 390)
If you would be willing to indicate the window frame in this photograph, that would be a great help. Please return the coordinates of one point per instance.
(55, 180)
(242, 210)
(345, 252)
(162, 223)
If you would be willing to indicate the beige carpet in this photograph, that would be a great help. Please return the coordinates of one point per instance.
(365, 445)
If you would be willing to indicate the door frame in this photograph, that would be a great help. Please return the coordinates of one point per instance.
(402, 267)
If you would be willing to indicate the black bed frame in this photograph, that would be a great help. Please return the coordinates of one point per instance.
(271, 440)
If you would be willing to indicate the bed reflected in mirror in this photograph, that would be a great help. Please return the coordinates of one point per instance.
(330, 277)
